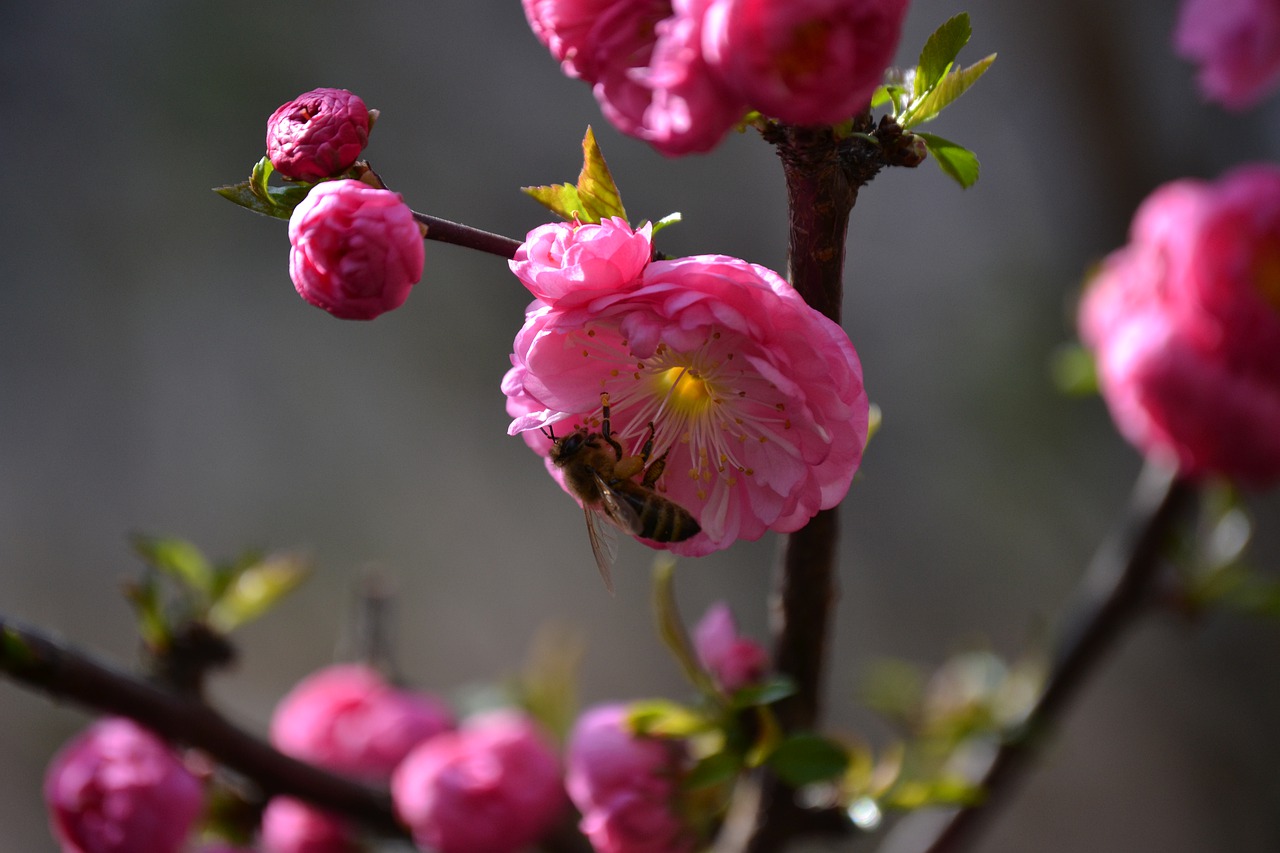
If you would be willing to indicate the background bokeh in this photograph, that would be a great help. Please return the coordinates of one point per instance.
(159, 374)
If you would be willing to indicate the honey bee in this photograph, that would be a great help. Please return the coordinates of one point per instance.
(598, 473)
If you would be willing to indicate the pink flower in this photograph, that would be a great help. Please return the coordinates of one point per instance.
(755, 397)
(292, 826)
(318, 134)
(625, 785)
(493, 786)
(1185, 325)
(349, 719)
(1236, 43)
(117, 788)
(581, 34)
(574, 262)
(355, 251)
(808, 62)
(733, 660)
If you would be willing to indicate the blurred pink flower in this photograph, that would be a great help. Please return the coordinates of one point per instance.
(572, 262)
(809, 62)
(733, 660)
(492, 786)
(582, 34)
(756, 397)
(292, 826)
(625, 785)
(1185, 325)
(118, 788)
(1236, 44)
(349, 719)
(318, 134)
(355, 251)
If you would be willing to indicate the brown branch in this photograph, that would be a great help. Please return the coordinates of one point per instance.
(1115, 590)
(464, 235)
(37, 661)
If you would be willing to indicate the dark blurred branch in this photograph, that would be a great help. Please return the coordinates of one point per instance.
(64, 673)
(1115, 590)
(467, 237)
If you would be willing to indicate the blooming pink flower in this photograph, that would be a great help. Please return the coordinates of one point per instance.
(755, 397)
(733, 660)
(581, 34)
(349, 719)
(1185, 324)
(807, 62)
(574, 262)
(318, 134)
(117, 788)
(492, 786)
(355, 251)
(624, 785)
(292, 826)
(1236, 43)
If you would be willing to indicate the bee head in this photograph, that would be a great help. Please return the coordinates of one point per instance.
(566, 446)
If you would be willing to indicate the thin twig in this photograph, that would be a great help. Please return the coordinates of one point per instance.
(464, 235)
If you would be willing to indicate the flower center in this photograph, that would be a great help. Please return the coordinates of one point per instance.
(685, 390)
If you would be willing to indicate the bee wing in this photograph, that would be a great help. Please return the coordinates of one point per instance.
(616, 509)
(604, 544)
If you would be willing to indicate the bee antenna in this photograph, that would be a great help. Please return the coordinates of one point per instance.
(549, 432)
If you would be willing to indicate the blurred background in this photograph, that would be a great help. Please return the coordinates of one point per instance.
(158, 374)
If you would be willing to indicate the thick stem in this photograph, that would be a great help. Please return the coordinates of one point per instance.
(464, 235)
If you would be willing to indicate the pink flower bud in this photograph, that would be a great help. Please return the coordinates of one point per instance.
(355, 251)
(1236, 44)
(117, 788)
(734, 661)
(347, 718)
(493, 786)
(317, 135)
(567, 263)
(624, 785)
(292, 826)
(1185, 325)
(809, 63)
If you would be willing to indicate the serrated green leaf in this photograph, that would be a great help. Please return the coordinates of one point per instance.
(560, 199)
(256, 589)
(596, 187)
(958, 162)
(940, 52)
(178, 559)
(713, 770)
(805, 758)
(948, 89)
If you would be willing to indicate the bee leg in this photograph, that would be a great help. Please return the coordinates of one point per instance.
(654, 471)
(606, 430)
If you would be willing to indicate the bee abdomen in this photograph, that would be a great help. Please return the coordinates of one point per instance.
(666, 521)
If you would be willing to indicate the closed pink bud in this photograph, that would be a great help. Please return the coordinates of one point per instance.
(292, 826)
(349, 719)
(570, 263)
(355, 251)
(117, 788)
(807, 62)
(1236, 44)
(318, 134)
(733, 660)
(493, 786)
(1185, 326)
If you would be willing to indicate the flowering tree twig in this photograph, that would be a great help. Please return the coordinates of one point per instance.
(464, 235)
(1114, 591)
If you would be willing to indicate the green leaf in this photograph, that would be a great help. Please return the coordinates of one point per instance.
(949, 88)
(1074, 371)
(662, 718)
(256, 589)
(940, 52)
(880, 97)
(594, 198)
(257, 195)
(669, 219)
(179, 559)
(803, 759)
(959, 163)
(711, 771)
(778, 687)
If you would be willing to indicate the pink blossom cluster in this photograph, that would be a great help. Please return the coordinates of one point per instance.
(625, 785)
(1185, 324)
(1236, 44)
(317, 135)
(680, 73)
(118, 788)
(756, 399)
(733, 660)
(355, 251)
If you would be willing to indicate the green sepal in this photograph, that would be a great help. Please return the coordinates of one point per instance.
(596, 195)
(939, 52)
(255, 589)
(927, 106)
(959, 163)
(805, 758)
(257, 195)
(178, 559)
